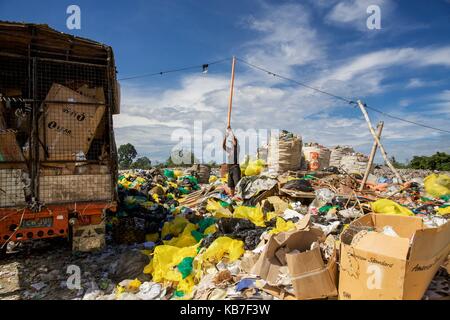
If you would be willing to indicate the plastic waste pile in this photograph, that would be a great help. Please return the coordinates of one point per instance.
(202, 244)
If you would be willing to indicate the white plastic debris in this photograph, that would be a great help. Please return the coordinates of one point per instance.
(329, 228)
(389, 231)
(149, 291)
(290, 214)
(434, 221)
(350, 213)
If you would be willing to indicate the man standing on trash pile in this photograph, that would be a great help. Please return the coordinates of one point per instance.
(231, 146)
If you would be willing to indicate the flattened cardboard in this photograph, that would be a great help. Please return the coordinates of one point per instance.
(391, 268)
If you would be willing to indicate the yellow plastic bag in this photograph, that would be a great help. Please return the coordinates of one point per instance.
(211, 229)
(386, 206)
(254, 168)
(164, 262)
(217, 210)
(225, 178)
(134, 285)
(186, 285)
(437, 185)
(254, 214)
(443, 211)
(174, 227)
(177, 173)
(185, 239)
(282, 226)
(234, 249)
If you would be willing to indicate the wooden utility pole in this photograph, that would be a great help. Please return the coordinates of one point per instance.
(230, 101)
(372, 131)
(372, 155)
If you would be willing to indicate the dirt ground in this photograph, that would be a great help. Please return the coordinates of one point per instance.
(40, 270)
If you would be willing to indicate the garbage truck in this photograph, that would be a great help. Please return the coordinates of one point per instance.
(58, 158)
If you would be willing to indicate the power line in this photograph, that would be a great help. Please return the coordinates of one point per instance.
(405, 120)
(347, 100)
(297, 82)
(205, 65)
(338, 97)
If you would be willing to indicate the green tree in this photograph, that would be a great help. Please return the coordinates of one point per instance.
(142, 163)
(438, 161)
(127, 153)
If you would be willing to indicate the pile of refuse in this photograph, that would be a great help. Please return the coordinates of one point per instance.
(295, 235)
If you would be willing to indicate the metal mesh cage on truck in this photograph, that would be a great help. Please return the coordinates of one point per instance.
(57, 96)
(15, 132)
(74, 131)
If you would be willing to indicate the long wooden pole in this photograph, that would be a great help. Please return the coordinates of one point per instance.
(230, 100)
(371, 156)
(383, 152)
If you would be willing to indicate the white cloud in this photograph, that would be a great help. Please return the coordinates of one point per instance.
(285, 40)
(415, 83)
(353, 13)
(369, 69)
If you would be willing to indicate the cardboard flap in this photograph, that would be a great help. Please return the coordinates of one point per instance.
(303, 262)
(404, 226)
(303, 223)
(429, 242)
(383, 245)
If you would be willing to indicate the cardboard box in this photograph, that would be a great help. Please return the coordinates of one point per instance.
(305, 269)
(69, 128)
(377, 266)
(9, 149)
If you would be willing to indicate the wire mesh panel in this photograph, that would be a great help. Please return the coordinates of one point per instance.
(73, 132)
(15, 128)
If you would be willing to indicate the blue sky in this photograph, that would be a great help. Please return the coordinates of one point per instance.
(403, 68)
